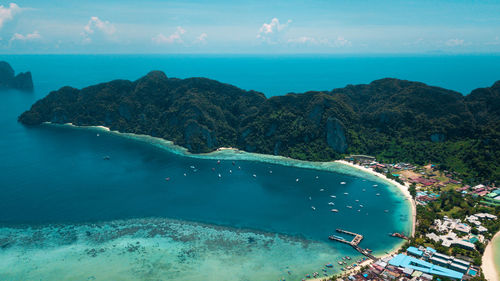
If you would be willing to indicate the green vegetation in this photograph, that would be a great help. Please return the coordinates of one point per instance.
(392, 119)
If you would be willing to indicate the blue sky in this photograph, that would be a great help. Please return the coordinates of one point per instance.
(260, 27)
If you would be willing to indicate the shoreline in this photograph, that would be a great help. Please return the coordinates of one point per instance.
(488, 261)
(229, 153)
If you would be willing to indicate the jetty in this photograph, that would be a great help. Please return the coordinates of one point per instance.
(354, 242)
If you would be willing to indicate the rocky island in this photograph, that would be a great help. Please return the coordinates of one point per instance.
(8, 79)
(395, 120)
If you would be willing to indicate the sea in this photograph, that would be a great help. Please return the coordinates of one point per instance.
(89, 204)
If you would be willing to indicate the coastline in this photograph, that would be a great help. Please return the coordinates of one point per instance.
(488, 261)
(229, 153)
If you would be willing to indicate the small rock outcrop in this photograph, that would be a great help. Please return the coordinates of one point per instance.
(8, 80)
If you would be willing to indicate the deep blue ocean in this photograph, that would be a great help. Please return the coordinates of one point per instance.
(63, 207)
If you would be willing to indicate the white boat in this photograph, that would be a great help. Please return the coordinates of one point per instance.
(310, 198)
(192, 167)
(350, 207)
(346, 193)
(220, 176)
(364, 190)
(97, 134)
(334, 210)
(322, 189)
(254, 175)
(356, 200)
(314, 208)
(317, 177)
(185, 174)
(378, 194)
(230, 171)
(331, 203)
(333, 196)
(297, 180)
(343, 182)
(375, 185)
(270, 172)
(361, 206)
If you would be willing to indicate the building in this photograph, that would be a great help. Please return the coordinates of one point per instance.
(431, 255)
(364, 159)
(451, 239)
(404, 261)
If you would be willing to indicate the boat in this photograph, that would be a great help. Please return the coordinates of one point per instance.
(97, 134)
(335, 210)
(322, 189)
(346, 193)
(343, 258)
(361, 206)
(356, 200)
(378, 194)
(310, 198)
(364, 190)
(331, 203)
(254, 175)
(297, 180)
(167, 178)
(333, 196)
(270, 172)
(348, 257)
(342, 182)
(343, 269)
(220, 176)
(192, 167)
(317, 177)
(375, 185)
(218, 161)
(350, 207)
(329, 265)
(233, 163)
(340, 263)
(314, 208)
(387, 211)
(185, 174)
(230, 171)
(106, 157)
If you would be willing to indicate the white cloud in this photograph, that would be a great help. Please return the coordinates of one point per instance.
(342, 42)
(271, 32)
(7, 13)
(175, 37)
(202, 38)
(28, 37)
(338, 42)
(97, 28)
(455, 42)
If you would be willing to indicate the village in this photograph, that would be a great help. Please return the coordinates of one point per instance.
(454, 223)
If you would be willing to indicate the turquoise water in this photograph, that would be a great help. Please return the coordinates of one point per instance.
(65, 213)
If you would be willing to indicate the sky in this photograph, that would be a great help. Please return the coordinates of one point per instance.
(258, 27)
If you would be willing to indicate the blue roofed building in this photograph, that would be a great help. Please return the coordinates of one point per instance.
(405, 261)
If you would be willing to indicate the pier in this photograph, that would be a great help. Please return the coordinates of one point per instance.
(354, 242)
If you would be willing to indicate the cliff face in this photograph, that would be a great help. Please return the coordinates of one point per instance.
(390, 118)
(8, 80)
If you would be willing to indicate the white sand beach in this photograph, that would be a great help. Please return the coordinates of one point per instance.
(488, 261)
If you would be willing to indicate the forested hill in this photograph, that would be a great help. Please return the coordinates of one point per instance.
(395, 120)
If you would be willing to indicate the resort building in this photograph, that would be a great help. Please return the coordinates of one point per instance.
(431, 255)
(408, 262)
(451, 239)
(364, 159)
